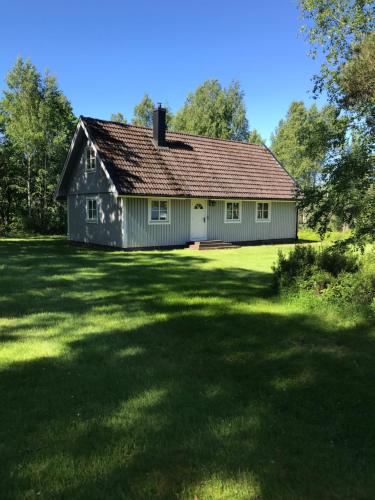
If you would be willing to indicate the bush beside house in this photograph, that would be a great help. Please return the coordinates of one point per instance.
(342, 278)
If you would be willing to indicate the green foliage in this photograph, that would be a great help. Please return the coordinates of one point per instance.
(304, 261)
(334, 276)
(118, 117)
(357, 81)
(10, 186)
(37, 122)
(343, 31)
(354, 288)
(214, 111)
(346, 192)
(303, 139)
(364, 222)
(255, 137)
(333, 28)
(298, 263)
(143, 113)
(307, 234)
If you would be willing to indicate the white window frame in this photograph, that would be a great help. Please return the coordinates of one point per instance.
(159, 222)
(233, 221)
(92, 159)
(96, 199)
(269, 211)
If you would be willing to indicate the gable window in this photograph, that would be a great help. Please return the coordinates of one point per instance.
(232, 211)
(263, 211)
(91, 209)
(90, 159)
(159, 211)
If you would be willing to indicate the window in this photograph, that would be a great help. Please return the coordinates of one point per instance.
(91, 209)
(90, 160)
(263, 211)
(159, 212)
(232, 211)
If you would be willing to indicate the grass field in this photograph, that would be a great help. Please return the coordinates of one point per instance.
(172, 374)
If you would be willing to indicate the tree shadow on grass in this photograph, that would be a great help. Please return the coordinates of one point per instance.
(57, 277)
(206, 397)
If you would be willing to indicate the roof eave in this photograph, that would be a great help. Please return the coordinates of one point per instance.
(58, 192)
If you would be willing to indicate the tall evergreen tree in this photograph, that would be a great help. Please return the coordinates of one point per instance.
(255, 137)
(334, 28)
(356, 79)
(38, 123)
(304, 138)
(342, 32)
(214, 111)
(118, 117)
(21, 121)
(11, 181)
(143, 113)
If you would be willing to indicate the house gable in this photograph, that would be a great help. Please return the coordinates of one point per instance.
(83, 181)
(75, 178)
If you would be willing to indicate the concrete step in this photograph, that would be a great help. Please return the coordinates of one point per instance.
(211, 245)
(222, 247)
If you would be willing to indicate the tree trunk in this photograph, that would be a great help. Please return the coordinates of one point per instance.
(28, 181)
(45, 190)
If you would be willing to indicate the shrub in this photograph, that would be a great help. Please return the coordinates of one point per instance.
(341, 289)
(372, 307)
(298, 264)
(335, 276)
(334, 261)
(318, 281)
(364, 289)
(304, 262)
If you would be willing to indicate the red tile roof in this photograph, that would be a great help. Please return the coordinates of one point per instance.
(190, 165)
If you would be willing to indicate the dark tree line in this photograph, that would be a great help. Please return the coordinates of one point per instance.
(343, 32)
(36, 126)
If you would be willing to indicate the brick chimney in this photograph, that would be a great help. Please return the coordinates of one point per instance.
(159, 126)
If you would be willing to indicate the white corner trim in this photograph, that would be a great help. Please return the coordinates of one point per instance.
(67, 217)
(113, 187)
(159, 222)
(269, 211)
(236, 221)
(73, 141)
(123, 220)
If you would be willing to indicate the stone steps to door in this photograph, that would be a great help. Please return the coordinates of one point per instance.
(211, 245)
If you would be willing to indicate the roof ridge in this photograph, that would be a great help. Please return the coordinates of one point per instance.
(198, 136)
(115, 123)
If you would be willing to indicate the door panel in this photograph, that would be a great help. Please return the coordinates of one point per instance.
(198, 220)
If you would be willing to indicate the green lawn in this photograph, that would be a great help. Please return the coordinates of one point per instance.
(149, 375)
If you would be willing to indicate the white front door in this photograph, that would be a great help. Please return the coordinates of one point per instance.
(198, 220)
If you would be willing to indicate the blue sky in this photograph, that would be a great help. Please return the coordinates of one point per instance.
(107, 54)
